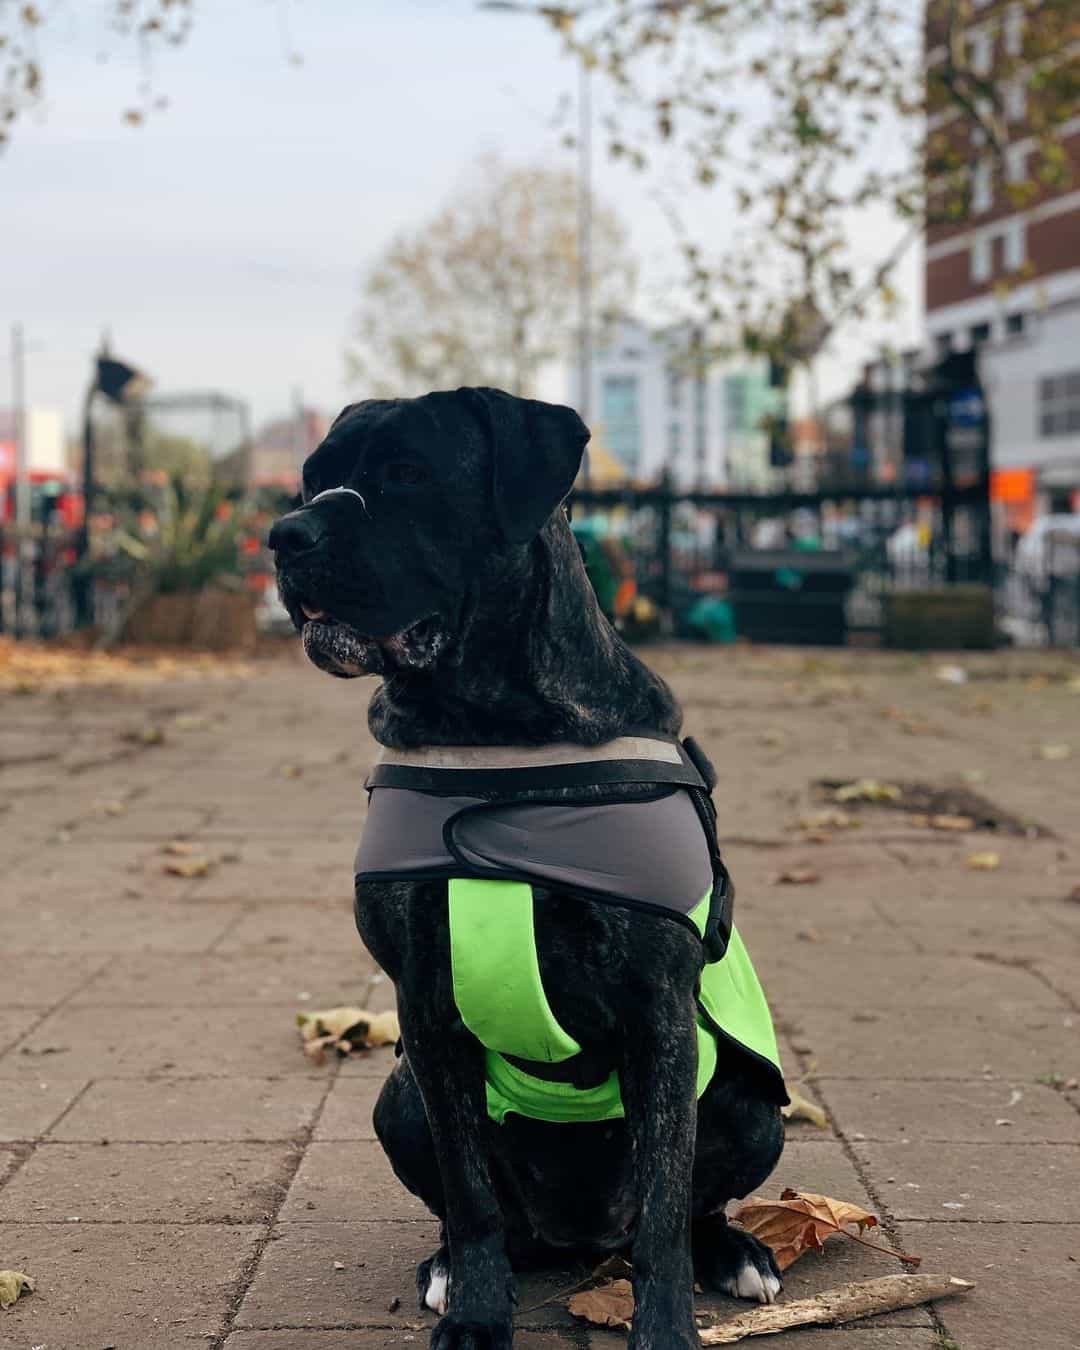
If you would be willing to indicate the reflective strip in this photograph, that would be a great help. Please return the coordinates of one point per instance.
(531, 756)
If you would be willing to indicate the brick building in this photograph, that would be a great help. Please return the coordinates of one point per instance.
(1005, 275)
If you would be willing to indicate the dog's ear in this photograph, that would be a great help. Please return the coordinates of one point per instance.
(536, 451)
(344, 414)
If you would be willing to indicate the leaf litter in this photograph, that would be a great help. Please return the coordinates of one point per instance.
(345, 1030)
(13, 1284)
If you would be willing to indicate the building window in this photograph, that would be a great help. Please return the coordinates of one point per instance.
(1015, 323)
(674, 387)
(982, 258)
(674, 441)
(619, 398)
(1016, 163)
(982, 185)
(1015, 245)
(979, 333)
(1059, 404)
(1015, 100)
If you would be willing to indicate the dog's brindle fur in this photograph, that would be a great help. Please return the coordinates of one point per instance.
(527, 657)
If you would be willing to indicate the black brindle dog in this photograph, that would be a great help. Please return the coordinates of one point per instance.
(431, 549)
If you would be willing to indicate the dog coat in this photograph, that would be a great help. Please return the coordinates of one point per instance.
(477, 818)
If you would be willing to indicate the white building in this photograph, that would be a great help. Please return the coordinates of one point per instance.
(658, 407)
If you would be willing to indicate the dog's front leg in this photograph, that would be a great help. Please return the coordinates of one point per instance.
(448, 1064)
(658, 1080)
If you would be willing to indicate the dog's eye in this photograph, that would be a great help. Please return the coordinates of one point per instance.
(405, 473)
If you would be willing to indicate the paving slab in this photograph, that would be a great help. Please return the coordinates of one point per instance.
(347, 1182)
(348, 1109)
(1027, 1278)
(36, 981)
(299, 925)
(187, 1110)
(1014, 1181)
(989, 1111)
(1022, 1041)
(134, 1287)
(114, 1042)
(297, 1285)
(148, 1183)
(16, 1022)
(312, 979)
(28, 1106)
(110, 926)
(385, 1339)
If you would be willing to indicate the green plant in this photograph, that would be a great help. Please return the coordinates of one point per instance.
(189, 542)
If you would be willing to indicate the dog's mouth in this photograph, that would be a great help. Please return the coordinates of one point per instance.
(343, 650)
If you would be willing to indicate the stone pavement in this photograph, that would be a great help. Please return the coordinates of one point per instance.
(174, 1172)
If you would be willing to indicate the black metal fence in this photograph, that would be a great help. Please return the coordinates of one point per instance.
(820, 566)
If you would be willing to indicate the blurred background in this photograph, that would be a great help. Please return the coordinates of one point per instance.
(809, 270)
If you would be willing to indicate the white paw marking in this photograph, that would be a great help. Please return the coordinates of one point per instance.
(750, 1283)
(435, 1298)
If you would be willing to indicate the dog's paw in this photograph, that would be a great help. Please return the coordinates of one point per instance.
(433, 1282)
(731, 1261)
(461, 1333)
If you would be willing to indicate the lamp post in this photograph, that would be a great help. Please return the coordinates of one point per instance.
(120, 384)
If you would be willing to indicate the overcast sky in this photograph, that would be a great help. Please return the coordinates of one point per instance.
(222, 242)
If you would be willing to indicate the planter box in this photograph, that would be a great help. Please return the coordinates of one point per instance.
(945, 618)
(212, 620)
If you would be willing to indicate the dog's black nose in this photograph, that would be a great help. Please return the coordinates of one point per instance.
(298, 532)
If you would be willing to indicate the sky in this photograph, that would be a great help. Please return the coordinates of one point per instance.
(221, 244)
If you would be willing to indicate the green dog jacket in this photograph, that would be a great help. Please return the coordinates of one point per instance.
(476, 817)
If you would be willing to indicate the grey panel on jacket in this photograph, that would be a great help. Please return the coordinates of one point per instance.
(649, 851)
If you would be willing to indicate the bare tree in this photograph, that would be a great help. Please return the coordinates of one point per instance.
(484, 292)
(810, 112)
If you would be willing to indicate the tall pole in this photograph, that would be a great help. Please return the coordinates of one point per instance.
(83, 580)
(24, 580)
(585, 250)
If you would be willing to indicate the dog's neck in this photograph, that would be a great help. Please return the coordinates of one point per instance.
(534, 662)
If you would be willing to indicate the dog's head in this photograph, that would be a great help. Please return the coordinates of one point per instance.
(404, 502)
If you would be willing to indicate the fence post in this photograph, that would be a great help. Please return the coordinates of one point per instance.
(664, 505)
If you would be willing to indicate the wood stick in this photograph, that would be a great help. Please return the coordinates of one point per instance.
(845, 1303)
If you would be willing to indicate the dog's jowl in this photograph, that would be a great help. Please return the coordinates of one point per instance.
(588, 1064)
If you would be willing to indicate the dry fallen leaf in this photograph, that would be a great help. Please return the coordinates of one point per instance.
(608, 1305)
(1054, 751)
(867, 790)
(188, 867)
(829, 819)
(952, 823)
(179, 848)
(984, 862)
(346, 1030)
(796, 876)
(291, 770)
(1074, 895)
(801, 1108)
(12, 1284)
(799, 1221)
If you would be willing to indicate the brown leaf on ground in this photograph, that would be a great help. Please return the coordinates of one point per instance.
(799, 1221)
(867, 790)
(984, 862)
(608, 1305)
(188, 867)
(829, 819)
(179, 848)
(845, 1303)
(1053, 752)
(346, 1030)
(13, 1283)
(1074, 895)
(796, 876)
(952, 823)
(801, 1108)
